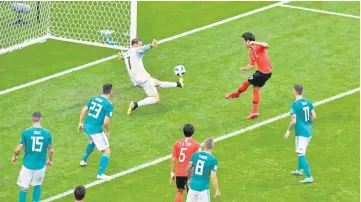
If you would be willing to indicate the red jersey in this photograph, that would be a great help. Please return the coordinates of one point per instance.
(183, 150)
(258, 54)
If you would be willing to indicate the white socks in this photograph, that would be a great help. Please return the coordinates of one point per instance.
(168, 84)
(147, 101)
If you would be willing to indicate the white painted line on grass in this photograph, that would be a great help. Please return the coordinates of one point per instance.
(164, 158)
(223, 21)
(160, 41)
(321, 11)
(57, 75)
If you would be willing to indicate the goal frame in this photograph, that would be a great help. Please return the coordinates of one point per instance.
(42, 39)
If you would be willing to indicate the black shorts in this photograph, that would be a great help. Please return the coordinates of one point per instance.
(181, 182)
(258, 79)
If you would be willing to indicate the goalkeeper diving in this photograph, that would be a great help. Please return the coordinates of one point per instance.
(140, 77)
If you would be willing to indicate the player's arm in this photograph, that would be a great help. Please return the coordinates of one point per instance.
(252, 62)
(50, 156)
(81, 118)
(106, 126)
(313, 114)
(189, 170)
(50, 152)
(291, 125)
(17, 152)
(248, 67)
(108, 115)
(215, 182)
(173, 163)
(19, 148)
(145, 48)
(263, 44)
(172, 169)
(214, 178)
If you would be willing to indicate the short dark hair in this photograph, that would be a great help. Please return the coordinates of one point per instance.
(299, 89)
(188, 130)
(36, 116)
(79, 192)
(107, 89)
(136, 40)
(248, 36)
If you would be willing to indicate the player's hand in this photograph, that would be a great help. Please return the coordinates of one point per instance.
(172, 177)
(49, 164)
(107, 134)
(188, 183)
(120, 57)
(287, 134)
(243, 69)
(80, 127)
(217, 194)
(154, 43)
(14, 159)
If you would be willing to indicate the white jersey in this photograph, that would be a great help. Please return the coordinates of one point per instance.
(134, 62)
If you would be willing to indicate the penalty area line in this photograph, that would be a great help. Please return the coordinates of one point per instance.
(223, 137)
(320, 11)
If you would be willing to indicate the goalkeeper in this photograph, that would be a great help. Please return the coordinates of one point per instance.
(140, 77)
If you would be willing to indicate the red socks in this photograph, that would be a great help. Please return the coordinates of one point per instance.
(243, 87)
(256, 100)
(179, 196)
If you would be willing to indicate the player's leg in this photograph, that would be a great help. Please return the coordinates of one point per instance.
(103, 164)
(24, 180)
(240, 90)
(192, 196)
(181, 182)
(166, 84)
(102, 144)
(89, 149)
(152, 93)
(301, 153)
(299, 171)
(37, 181)
(204, 196)
(258, 80)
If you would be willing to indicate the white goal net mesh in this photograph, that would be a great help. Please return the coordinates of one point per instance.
(84, 21)
(100, 23)
(22, 24)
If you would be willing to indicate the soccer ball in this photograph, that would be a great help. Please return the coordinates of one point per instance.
(179, 70)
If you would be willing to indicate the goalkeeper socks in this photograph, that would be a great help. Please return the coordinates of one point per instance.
(305, 166)
(168, 84)
(104, 160)
(22, 195)
(147, 101)
(243, 87)
(36, 193)
(256, 99)
(89, 149)
(179, 196)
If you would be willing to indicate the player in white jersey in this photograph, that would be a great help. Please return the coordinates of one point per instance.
(140, 77)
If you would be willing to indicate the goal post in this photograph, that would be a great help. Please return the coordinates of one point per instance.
(109, 24)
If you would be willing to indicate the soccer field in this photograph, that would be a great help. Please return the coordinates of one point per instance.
(319, 50)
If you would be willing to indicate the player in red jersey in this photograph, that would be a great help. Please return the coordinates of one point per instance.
(182, 152)
(257, 54)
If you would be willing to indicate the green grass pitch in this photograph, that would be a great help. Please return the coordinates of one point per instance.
(317, 50)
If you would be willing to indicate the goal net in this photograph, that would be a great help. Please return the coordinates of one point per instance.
(100, 23)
